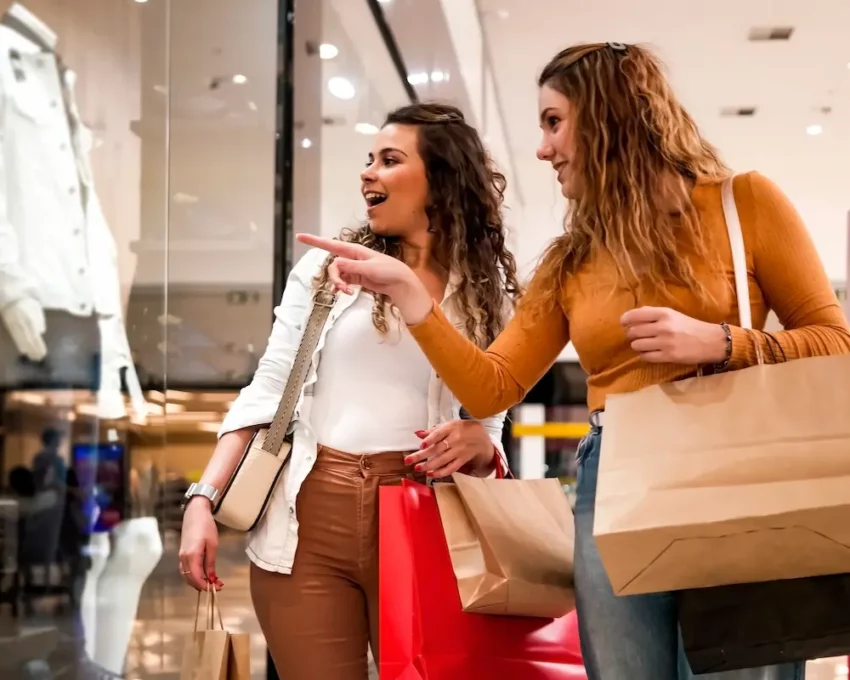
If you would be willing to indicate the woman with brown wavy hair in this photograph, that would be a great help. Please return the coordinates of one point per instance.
(373, 411)
(642, 283)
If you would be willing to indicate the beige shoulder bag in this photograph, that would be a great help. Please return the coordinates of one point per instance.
(246, 495)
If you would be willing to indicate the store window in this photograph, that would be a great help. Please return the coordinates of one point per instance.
(346, 82)
(138, 245)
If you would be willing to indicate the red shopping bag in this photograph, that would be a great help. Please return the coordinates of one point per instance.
(424, 633)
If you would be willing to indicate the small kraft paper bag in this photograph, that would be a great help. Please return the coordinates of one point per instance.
(511, 545)
(212, 653)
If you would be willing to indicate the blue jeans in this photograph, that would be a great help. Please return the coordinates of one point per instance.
(634, 637)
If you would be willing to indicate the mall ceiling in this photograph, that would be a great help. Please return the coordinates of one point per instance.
(798, 88)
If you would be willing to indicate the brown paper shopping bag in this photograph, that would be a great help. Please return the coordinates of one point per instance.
(239, 663)
(511, 545)
(212, 653)
(740, 477)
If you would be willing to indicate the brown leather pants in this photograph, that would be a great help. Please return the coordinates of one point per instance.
(320, 620)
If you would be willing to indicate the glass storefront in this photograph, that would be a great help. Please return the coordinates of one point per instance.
(154, 166)
(140, 239)
(346, 82)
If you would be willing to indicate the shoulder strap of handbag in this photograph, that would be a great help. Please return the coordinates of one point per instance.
(739, 254)
(322, 304)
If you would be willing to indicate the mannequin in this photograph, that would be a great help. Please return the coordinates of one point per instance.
(60, 306)
(122, 559)
(136, 550)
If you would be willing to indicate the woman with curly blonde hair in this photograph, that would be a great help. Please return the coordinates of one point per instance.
(372, 411)
(642, 283)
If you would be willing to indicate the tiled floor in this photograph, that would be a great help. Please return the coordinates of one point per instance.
(827, 669)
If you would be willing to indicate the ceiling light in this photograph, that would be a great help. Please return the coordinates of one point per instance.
(417, 78)
(385, 2)
(342, 88)
(366, 129)
(815, 129)
(252, 106)
(439, 76)
(306, 143)
(328, 51)
(141, 2)
(239, 79)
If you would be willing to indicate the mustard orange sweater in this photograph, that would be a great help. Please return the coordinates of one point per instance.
(785, 275)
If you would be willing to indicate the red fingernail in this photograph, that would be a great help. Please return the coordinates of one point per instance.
(408, 460)
(212, 576)
(421, 433)
(419, 467)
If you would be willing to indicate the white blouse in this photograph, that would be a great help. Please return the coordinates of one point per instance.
(371, 395)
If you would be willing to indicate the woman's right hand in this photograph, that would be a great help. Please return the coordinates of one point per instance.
(198, 545)
(357, 265)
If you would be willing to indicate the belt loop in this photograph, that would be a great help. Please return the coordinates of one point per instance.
(597, 419)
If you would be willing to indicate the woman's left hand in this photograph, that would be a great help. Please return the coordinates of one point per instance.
(449, 447)
(663, 335)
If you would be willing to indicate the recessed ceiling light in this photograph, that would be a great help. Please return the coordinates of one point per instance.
(439, 76)
(239, 79)
(252, 106)
(815, 129)
(366, 129)
(306, 143)
(385, 2)
(141, 2)
(342, 88)
(417, 78)
(328, 51)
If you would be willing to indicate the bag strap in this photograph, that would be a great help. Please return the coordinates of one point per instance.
(739, 253)
(322, 304)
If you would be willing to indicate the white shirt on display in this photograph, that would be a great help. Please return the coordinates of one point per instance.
(55, 244)
(429, 402)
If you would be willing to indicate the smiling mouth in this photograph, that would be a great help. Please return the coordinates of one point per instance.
(559, 169)
(373, 198)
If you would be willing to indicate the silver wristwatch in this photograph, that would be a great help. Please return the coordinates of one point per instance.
(205, 490)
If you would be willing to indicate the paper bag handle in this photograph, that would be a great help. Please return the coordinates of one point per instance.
(739, 258)
(739, 253)
(212, 609)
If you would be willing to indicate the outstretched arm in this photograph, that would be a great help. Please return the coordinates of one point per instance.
(485, 381)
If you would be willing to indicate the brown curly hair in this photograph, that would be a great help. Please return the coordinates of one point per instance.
(465, 213)
(635, 143)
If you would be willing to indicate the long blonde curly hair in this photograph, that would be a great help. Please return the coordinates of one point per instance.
(635, 144)
(465, 213)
